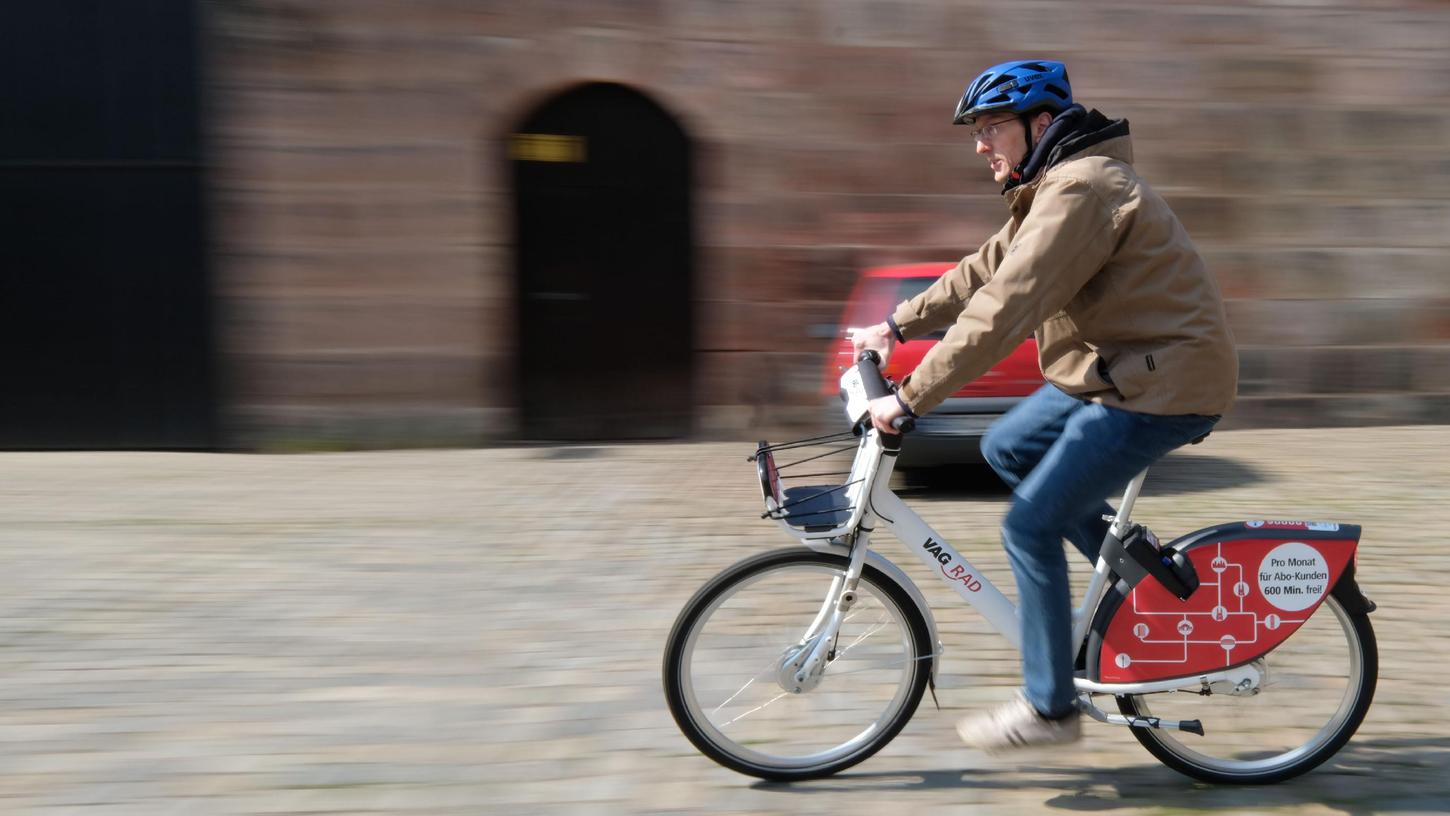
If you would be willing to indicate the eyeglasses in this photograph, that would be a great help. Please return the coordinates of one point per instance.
(990, 132)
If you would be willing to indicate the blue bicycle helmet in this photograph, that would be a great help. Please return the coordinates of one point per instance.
(1017, 87)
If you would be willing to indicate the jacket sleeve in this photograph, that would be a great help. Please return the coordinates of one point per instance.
(939, 304)
(1066, 238)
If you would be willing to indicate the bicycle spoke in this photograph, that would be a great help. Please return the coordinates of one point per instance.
(753, 710)
(880, 623)
(765, 673)
(716, 709)
(888, 664)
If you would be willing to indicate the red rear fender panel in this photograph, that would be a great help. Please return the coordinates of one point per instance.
(1258, 582)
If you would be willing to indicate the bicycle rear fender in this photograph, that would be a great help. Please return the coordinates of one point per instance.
(1259, 582)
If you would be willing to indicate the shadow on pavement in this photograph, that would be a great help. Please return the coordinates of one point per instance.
(1178, 474)
(562, 452)
(1174, 475)
(1367, 776)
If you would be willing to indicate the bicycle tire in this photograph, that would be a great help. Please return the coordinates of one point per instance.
(1180, 754)
(690, 714)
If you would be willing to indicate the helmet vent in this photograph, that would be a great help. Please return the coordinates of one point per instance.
(1058, 92)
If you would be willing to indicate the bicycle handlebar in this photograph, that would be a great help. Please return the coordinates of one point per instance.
(869, 364)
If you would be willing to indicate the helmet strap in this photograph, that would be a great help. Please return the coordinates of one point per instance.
(1017, 171)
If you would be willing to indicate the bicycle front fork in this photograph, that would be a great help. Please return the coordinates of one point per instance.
(803, 665)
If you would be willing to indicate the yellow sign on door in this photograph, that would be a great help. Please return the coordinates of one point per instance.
(546, 147)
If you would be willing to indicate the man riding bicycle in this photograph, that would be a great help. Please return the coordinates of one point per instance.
(1131, 335)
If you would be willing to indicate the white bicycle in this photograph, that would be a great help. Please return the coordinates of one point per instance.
(799, 663)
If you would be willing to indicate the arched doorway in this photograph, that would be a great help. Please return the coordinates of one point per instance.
(601, 182)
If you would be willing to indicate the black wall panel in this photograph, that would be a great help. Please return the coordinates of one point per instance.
(105, 302)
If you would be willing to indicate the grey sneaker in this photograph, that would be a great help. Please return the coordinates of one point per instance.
(1017, 724)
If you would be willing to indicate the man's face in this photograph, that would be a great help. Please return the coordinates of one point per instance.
(1003, 140)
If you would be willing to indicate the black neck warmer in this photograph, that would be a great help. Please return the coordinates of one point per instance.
(1063, 125)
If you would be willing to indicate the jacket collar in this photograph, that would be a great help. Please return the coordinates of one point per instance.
(1073, 132)
(1097, 136)
(1062, 126)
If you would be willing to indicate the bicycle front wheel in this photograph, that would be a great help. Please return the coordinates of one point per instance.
(1318, 685)
(728, 688)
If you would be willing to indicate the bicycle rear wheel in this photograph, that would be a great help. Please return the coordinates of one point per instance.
(1319, 684)
(723, 667)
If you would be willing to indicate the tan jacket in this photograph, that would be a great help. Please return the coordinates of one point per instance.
(1093, 261)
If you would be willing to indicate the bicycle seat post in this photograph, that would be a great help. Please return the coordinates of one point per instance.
(1124, 519)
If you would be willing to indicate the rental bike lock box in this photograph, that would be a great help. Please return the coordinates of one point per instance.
(1138, 556)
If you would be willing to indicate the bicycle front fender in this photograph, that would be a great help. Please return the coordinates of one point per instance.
(895, 573)
(1259, 582)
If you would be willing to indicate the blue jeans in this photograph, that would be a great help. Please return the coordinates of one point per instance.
(1063, 457)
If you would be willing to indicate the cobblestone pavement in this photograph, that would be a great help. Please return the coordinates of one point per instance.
(480, 632)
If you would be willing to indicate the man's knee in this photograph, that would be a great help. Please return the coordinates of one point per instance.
(1000, 450)
(1027, 526)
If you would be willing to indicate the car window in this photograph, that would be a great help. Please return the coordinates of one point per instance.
(908, 288)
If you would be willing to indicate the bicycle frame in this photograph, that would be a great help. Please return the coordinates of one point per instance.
(875, 504)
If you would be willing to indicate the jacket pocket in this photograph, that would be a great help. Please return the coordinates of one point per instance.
(1134, 373)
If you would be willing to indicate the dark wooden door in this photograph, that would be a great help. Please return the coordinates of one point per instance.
(602, 190)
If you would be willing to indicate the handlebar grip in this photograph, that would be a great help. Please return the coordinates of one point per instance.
(869, 364)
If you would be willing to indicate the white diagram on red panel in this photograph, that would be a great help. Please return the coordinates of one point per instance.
(1292, 578)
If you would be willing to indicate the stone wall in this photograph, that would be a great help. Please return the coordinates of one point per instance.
(361, 216)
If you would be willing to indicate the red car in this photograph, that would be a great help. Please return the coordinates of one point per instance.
(953, 431)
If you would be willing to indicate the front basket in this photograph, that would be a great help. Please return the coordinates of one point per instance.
(808, 506)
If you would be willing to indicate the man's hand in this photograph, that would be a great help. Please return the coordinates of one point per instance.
(883, 411)
(879, 338)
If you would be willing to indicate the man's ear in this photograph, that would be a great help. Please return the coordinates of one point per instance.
(1040, 124)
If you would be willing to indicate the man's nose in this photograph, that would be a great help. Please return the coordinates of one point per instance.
(982, 148)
